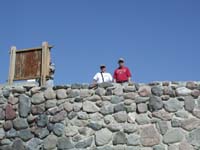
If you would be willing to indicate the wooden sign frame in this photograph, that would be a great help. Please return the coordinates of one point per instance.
(39, 56)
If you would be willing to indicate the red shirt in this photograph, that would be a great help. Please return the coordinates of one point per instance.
(122, 74)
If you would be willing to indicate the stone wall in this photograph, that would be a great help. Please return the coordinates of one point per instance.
(155, 116)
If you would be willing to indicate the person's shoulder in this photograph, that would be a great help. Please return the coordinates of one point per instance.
(108, 73)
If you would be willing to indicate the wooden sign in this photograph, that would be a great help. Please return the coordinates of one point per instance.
(32, 63)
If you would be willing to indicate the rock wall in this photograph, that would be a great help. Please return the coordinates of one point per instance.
(155, 116)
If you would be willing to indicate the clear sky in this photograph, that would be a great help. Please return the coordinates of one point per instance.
(159, 39)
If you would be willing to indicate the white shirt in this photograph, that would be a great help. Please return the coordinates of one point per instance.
(106, 76)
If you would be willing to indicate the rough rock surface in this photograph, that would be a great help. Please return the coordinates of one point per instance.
(155, 116)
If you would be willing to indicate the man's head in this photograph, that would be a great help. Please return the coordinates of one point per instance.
(121, 62)
(103, 68)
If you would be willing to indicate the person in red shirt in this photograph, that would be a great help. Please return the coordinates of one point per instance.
(122, 74)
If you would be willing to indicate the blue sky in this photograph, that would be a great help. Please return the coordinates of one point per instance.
(158, 39)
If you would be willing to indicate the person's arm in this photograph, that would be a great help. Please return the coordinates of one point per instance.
(128, 75)
(95, 79)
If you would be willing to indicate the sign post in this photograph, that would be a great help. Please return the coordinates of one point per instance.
(32, 63)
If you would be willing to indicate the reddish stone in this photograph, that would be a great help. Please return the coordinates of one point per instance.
(58, 117)
(38, 109)
(10, 112)
(144, 91)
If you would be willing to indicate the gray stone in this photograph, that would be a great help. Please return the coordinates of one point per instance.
(93, 98)
(155, 103)
(173, 105)
(142, 108)
(173, 136)
(2, 133)
(77, 106)
(7, 125)
(58, 129)
(85, 93)
(183, 91)
(68, 106)
(159, 147)
(103, 137)
(131, 108)
(163, 115)
(163, 127)
(116, 99)
(38, 98)
(130, 95)
(114, 127)
(149, 136)
(157, 90)
(6, 142)
(194, 137)
(20, 123)
(141, 100)
(11, 133)
(119, 138)
(121, 116)
(173, 147)
(42, 120)
(18, 89)
(106, 147)
(50, 94)
(107, 109)
(176, 122)
(50, 142)
(24, 105)
(182, 114)
(118, 90)
(128, 89)
(61, 94)
(119, 107)
(105, 85)
(2, 114)
(82, 115)
(129, 128)
(50, 103)
(189, 103)
(41, 132)
(185, 146)
(64, 143)
(196, 113)
(90, 107)
(84, 143)
(18, 145)
(100, 91)
(25, 134)
(133, 140)
(71, 131)
(34, 144)
(191, 85)
(95, 125)
(73, 93)
(190, 124)
(142, 119)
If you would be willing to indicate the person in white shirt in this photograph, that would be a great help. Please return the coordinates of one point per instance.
(102, 76)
